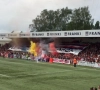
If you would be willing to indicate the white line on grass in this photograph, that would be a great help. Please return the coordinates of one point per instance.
(3, 75)
(45, 73)
(55, 64)
(91, 68)
(14, 62)
(79, 68)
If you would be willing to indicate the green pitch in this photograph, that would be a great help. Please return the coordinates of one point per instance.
(16, 74)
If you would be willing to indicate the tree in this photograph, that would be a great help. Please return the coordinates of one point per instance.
(97, 26)
(52, 20)
(64, 19)
(80, 19)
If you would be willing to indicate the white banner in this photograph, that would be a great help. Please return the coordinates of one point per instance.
(23, 35)
(90, 64)
(74, 33)
(92, 33)
(3, 35)
(13, 35)
(57, 60)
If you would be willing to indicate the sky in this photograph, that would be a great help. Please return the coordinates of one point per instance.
(18, 14)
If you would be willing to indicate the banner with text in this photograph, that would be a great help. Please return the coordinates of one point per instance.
(75, 33)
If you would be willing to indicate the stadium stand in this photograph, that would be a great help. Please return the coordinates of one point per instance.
(83, 50)
(91, 53)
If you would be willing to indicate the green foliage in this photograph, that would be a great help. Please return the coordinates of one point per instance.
(81, 19)
(97, 26)
(64, 19)
(52, 20)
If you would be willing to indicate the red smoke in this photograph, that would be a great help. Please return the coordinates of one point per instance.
(38, 48)
(52, 48)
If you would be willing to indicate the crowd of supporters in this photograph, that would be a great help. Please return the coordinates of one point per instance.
(90, 53)
(4, 47)
(6, 53)
(95, 88)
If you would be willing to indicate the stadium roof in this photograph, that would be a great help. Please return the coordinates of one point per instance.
(5, 39)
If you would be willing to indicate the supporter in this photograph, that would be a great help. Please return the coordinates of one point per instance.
(14, 55)
(26, 56)
(32, 56)
(94, 88)
(99, 87)
(11, 56)
(91, 53)
(47, 58)
(91, 88)
(75, 62)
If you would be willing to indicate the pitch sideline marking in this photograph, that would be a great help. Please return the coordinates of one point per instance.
(3, 75)
(56, 65)
(45, 73)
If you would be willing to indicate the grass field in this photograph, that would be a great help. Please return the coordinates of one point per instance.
(16, 74)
